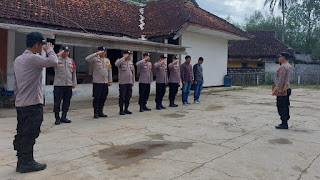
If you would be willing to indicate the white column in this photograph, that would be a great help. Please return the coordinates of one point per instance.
(166, 42)
(10, 59)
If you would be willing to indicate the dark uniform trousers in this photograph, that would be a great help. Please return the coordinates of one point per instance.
(28, 128)
(125, 93)
(144, 92)
(173, 91)
(283, 104)
(62, 93)
(160, 92)
(100, 93)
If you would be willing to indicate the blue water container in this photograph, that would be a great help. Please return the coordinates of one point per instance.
(227, 80)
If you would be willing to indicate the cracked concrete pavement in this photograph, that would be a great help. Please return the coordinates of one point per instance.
(229, 135)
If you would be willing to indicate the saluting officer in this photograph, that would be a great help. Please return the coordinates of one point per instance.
(145, 80)
(126, 79)
(65, 80)
(174, 80)
(161, 81)
(29, 99)
(102, 79)
(282, 82)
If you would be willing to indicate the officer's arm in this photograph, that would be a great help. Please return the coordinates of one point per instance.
(110, 74)
(133, 75)
(140, 62)
(119, 61)
(283, 74)
(172, 64)
(91, 57)
(50, 61)
(157, 65)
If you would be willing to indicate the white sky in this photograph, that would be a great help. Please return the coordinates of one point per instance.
(237, 9)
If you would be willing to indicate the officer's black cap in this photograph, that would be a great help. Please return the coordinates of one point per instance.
(146, 54)
(65, 48)
(163, 57)
(101, 48)
(36, 37)
(126, 52)
(284, 54)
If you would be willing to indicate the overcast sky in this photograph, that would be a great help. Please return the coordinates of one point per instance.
(237, 9)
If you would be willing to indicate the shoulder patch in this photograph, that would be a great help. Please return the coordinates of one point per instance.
(281, 70)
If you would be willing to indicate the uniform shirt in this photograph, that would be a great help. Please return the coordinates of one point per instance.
(198, 72)
(28, 77)
(65, 72)
(126, 72)
(102, 70)
(161, 72)
(146, 75)
(174, 72)
(283, 76)
(186, 72)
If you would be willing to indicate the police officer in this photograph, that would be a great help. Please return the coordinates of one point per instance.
(29, 98)
(102, 79)
(145, 80)
(282, 82)
(126, 79)
(174, 80)
(161, 81)
(65, 80)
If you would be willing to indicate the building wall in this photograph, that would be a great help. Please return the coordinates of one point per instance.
(307, 68)
(3, 53)
(271, 67)
(238, 64)
(214, 50)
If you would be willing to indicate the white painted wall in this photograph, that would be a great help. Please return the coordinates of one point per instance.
(10, 59)
(214, 50)
(271, 67)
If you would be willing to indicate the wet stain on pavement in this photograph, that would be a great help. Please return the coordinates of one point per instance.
(156, 136)
(173, 115)
(297, 168)
(214, 108)
(119, 156)
(280, 141)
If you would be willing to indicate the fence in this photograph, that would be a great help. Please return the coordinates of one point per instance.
(247, 79)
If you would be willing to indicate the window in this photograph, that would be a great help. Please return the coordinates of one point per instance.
(260, 65)
(244, 65)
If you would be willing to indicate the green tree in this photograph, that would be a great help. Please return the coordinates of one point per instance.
(283, 5)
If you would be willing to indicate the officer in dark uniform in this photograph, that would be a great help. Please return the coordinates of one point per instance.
(145, 80)
(65, 80)
(29, 98)
(126, 79)
(102, 79)
(282, 82)
(174, 80)
(161, 81)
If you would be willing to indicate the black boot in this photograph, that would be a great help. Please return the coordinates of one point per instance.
(162, 107)
(146, 108)
(172, 104)
(56, 115)
(141, 108)
(283, 125)
(101, 114)
(28, 164)
(19, 162)
(96, 113)
(126, 110)
(64, 118)
(121, 111)
(158, 107)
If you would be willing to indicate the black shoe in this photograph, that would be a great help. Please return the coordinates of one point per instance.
(96, 113)
(146, 108)
(28, 164)
(56, 115)
(64, 118)
(281, 126)
(141, 109)
(173, 105)
(96, 116)
(19, 162)
(162, 107)
(101, 114)
(158, 107)
(127, 111)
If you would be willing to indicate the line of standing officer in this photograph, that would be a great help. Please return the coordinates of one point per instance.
(174, 80)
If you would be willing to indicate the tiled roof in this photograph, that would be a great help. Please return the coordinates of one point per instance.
(111, 17)
(263, 44)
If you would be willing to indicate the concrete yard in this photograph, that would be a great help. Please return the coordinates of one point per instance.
(229, 135)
